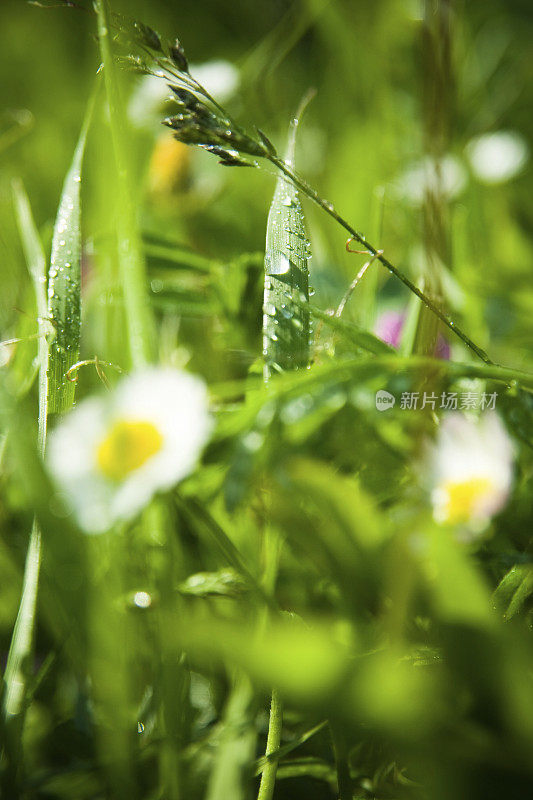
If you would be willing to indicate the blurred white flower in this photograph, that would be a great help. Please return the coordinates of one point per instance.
(147, 101)
(219, 78)
(447, 175)
(111, 454)
(471, 467)
(497, 157)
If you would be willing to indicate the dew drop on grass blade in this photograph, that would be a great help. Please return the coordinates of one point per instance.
(64, 285)
(285, 316)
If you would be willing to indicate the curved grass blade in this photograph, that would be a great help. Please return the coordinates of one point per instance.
(285, 317)
(64, 285)
(15, 676)
(36, 261)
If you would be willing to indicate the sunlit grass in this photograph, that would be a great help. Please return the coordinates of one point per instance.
(267, 553)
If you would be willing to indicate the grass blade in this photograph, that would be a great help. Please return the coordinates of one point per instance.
(285, 317)
(36, 261)
(353, 333)
(64, 285)
(16, 676)
(56, 394)
(132, 265)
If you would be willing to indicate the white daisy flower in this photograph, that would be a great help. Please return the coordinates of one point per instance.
(497, 157)
(471, 470)
(111, 454)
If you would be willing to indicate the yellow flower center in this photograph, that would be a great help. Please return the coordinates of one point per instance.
(127, 446)
(169, 165)
(463, 497)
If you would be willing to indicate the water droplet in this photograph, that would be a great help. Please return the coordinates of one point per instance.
(142, 599)
(277, 263)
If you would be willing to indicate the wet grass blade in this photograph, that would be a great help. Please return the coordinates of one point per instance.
(285, 317)
(64, 285)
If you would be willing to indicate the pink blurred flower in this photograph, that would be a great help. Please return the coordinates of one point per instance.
(389, 327)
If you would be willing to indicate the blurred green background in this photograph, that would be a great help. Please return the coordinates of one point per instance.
(460, 727)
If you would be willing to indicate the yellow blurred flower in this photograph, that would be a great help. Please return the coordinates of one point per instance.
(169, 169)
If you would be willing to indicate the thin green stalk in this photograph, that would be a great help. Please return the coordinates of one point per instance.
(132, 265)
(275, 725)
(271, 553)
(313, 195)
(174, 677)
